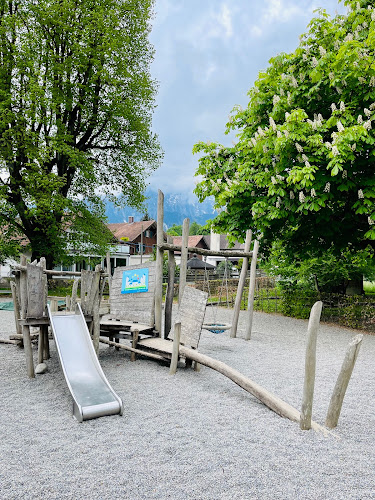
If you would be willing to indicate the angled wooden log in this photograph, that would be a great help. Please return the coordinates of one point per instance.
(241, 286)
(342, 382)
(250, 301)
(310, 364)
(267, 398)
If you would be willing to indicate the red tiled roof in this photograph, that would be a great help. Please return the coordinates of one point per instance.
(130, 230)
(192, 242)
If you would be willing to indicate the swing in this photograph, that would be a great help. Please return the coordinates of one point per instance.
(216, 327)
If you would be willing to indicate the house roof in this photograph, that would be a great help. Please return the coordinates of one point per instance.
(195, 263)
(224, 245)
(130, 230)
(193, 241)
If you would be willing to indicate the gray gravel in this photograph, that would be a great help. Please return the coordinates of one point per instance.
(194, 435)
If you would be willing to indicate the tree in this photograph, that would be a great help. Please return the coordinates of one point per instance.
(76, 100)
(302, 171)
(194, 229)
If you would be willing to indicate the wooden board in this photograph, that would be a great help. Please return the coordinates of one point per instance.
(136, 307)
(35, 292)
(191, 314)
(157, 344)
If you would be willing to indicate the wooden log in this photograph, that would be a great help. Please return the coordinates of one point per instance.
(184, 258)
(342, 382)
(28, 351)
(10, 341)
(18, 336)
(250, 301)
(170, 291)
(176, 348)
(159, 263)
(40, 346)
(73, 301)
(17, 312)
(108, 263)
(131, 349)
(241, 286)
(95, 311)
(267, 398)
(203, 251)
(49, 272)
(46, 351)
(310, 364)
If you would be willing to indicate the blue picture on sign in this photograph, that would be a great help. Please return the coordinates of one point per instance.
(135, 281)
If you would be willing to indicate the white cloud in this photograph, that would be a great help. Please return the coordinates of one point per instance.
(281, 11)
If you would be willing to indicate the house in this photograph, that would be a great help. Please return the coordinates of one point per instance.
(197, 241)
(219, 242)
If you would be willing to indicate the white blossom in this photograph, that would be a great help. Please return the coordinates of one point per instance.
(275, 99)
(334, 137)
(338, 90)
(373, 15)
(252, 193)
(260, 131)
(327, 187)
(279, 134)
(367, 125)
(342, 106)
(360, 194)
(287, 115)
(299, 147)
(355, 63)
(361, 79)
(304, 158)
(322, 51)
(313, 193)
(331, 75)
(354, 146)
(360, 119)
(277, 204)
(291, 195)
(307, 164)
(294, 82)
(367, 112)
(349, 37)
(358, 6)
(265, 149)
(365, 24)
(372, 81)
(301, 197)
(254, 142)
(302, 77)
(340, 126)
(273, 180)
(344, 174)
(335, 151)
(272, 123)
(286, 133)
(333, 107)
(372, 106)
(280, 177)
(336, 45)
(314, 62)
(304, 56)
(370, 221)
(328, 145)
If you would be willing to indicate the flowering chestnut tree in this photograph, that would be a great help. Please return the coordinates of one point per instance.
(303, 169)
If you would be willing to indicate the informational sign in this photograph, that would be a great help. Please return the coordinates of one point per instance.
(135, 281)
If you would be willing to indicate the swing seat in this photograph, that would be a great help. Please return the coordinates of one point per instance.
(217, 327)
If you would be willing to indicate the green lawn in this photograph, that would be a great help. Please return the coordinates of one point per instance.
(369, 287)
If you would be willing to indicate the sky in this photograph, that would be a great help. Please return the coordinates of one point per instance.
(208, 54)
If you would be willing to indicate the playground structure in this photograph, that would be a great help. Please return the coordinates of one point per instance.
(30, 296)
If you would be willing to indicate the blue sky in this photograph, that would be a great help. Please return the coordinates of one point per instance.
(208, 55)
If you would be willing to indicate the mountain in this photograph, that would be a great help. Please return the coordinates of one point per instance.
(176, 208)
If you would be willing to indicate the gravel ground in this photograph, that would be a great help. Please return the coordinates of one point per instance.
(194, 435)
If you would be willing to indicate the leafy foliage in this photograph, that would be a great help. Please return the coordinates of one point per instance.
(302, 171)
(76, 100)
(194, 229)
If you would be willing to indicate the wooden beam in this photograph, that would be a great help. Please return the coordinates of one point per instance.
(131, 349)
(170, 291)
(203, 251)
(175, 350)
(159, 263)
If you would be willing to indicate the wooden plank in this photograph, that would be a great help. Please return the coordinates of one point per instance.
(158, 344)
(17, 313)
(131, 349)
(170, 291)
(191, 314)
(35, 292)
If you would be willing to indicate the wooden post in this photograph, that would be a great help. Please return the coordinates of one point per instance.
(133, 354)
(73, 301)
(310, 364)
(175, 349)
(170, 291)
(95, 311)
(241, 285)
(159, 263)
(342, 382)
(41, 340)
(25, 328)
(250, 301)
(141, 243)
(184, 258)
(16, 307)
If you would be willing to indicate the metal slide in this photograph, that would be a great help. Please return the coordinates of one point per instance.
(92, 395)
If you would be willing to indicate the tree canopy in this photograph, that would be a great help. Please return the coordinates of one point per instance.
(194, 229)
(76, 100)
(302, 171)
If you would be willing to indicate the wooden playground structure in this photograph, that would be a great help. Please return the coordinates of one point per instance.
(138, 318)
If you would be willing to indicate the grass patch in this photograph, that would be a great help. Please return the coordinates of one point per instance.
(369, 287)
